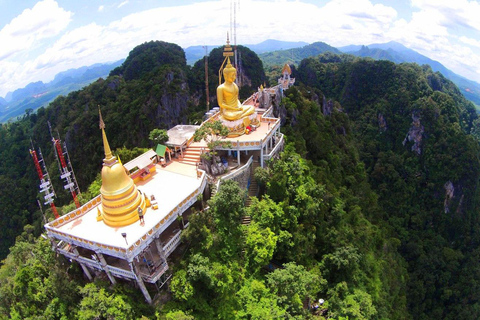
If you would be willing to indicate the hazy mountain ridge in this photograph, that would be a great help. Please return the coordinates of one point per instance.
(37, 94)
(271, 52)
(195, 53)
(398, 53)
(295, 55)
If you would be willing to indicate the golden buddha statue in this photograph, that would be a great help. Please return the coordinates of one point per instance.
(235, 116)
(227, 97)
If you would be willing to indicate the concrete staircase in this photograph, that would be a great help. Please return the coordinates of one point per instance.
(191, 155)
(253, 189)
(252, 192)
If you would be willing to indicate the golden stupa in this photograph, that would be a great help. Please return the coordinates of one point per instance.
(120, 197)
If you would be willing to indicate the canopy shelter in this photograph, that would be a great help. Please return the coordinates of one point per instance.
(161, 149)
(179, 136)
(141, 161)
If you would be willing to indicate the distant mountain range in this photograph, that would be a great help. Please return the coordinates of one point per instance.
(195, 53)
(398, 53)
(37, 94)
(295, 55)
(271, 52)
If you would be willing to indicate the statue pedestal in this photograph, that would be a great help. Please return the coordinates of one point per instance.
(237, 127)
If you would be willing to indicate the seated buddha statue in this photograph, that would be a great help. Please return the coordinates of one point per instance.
(227, 97)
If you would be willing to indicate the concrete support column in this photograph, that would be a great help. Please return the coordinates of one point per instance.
(84, 267)
(103, 262)
(261, 157)
(140, 283)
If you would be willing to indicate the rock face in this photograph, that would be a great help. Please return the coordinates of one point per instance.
(382, 123)
(449, 193)
(415, 134)
(327, 107)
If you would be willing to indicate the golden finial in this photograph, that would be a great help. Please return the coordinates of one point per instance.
(109, 158)
(102, 124)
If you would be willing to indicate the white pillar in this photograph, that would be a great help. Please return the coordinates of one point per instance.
(261, 157)
(238, 152)
(103, 262)
(84, 268)
(140, 283)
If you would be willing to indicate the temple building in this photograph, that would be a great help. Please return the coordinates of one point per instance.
(131, 229)
(285, 81)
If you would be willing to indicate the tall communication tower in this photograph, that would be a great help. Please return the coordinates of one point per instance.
(233, 21)
(235, 31)
(206, 78)
(45, 184)
(65, 166)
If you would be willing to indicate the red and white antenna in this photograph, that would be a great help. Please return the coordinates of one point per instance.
(65, 167)
(45, 184)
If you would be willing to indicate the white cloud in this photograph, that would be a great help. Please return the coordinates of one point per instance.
(470, 41)
(46, 19)
(458, 13)
(338, 23)
(122, 4)
(101, 8)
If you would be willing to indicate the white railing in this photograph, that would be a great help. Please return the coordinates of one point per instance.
(60, 221)
(152, 278)
(276, 148)
(235, 173)
(119, 272)
(172, 244)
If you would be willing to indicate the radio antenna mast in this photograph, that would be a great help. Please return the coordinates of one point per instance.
(46, 186)
(65, 166)
(206, 78)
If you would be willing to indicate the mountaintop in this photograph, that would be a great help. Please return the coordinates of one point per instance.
(398, 53)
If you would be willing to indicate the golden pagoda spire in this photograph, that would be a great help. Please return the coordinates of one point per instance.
(109, 158)
(120, 197)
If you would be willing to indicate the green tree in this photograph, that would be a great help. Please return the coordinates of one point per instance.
(294, 285)
(214, 134)
(158, 136)
(97, 303)
(257, 302)
(260, 243)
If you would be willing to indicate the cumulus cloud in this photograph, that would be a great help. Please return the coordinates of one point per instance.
(46, 19)
(470, 41)
(338, 23)
(101, 8)
(122, 4)
(463, 13)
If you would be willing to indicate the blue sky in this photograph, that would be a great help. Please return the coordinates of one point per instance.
(41, 38)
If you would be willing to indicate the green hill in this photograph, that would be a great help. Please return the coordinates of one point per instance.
(373, 205)
(295, 55)
(418, 140)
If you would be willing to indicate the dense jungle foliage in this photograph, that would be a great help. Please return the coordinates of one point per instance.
(372, 206)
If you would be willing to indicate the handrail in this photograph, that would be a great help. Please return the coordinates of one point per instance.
(237, 172)
(121, 272)
(60, 221)
(172, 243)
(278, 145)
